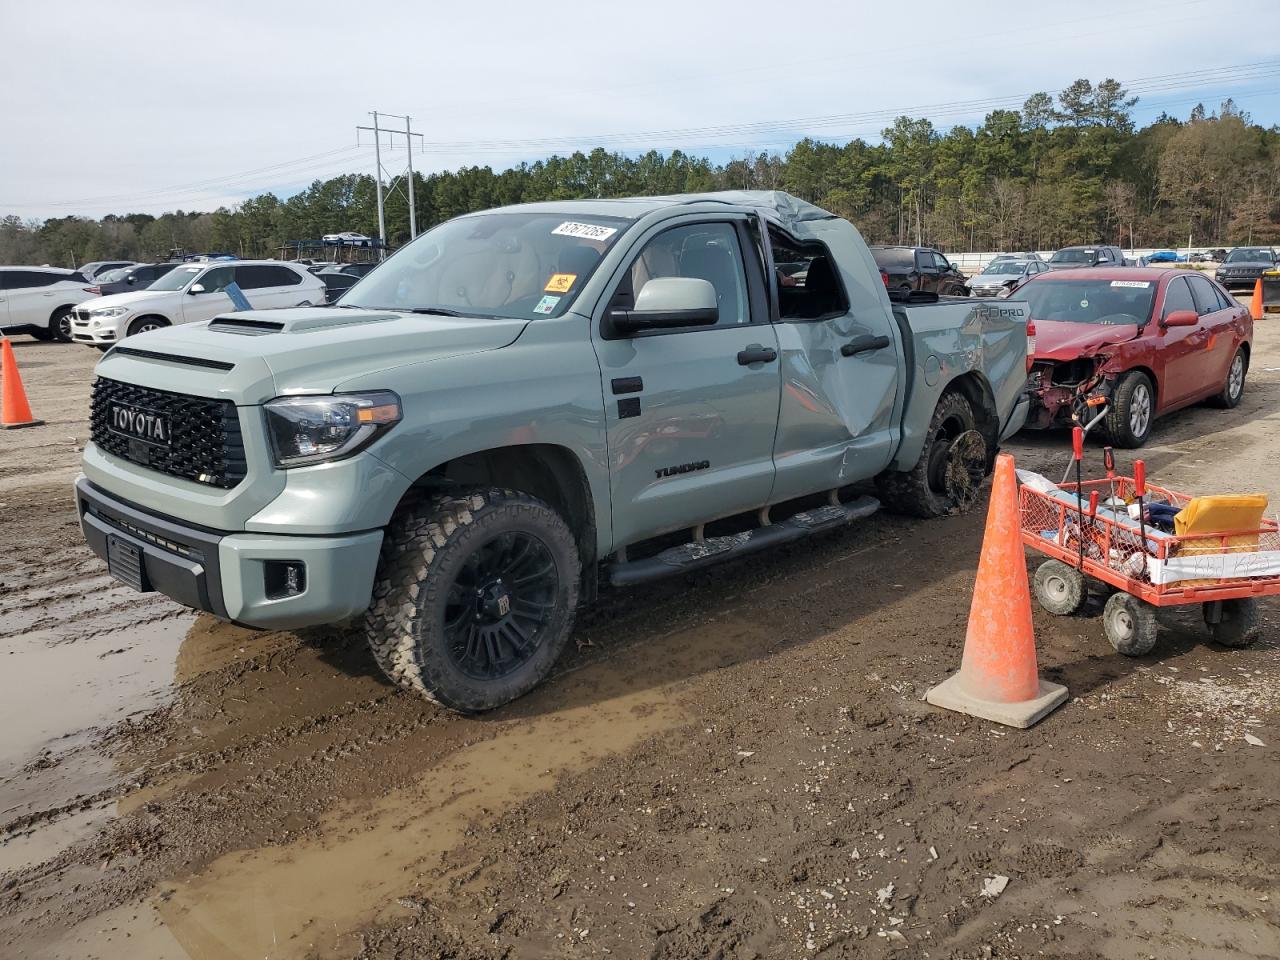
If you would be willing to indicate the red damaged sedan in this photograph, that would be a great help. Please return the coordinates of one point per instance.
(1145, 342)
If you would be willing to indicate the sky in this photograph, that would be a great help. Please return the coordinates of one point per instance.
(146, 107)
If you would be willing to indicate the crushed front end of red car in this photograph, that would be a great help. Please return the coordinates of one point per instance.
(1061, 390)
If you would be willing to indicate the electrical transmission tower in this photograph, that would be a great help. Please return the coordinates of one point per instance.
(406, 175)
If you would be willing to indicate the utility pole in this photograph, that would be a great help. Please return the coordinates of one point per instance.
(408, 135)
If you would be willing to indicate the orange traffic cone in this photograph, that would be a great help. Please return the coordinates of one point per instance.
(14, 410)
(998, 678)
(1255, 305)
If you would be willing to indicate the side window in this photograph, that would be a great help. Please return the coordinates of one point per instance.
(940, 262)
(283, 277)
(216, 279)
(25, 279)
(808, 285)
(708, 251)
(924, 260)
(1206, 296)
(1177, 296)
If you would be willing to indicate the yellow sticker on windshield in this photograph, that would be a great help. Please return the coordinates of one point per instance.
(560, 283)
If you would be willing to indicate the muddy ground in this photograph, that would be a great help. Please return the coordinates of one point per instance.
(737, 764)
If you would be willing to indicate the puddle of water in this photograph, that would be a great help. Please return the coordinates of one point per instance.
(54, 697)
(304, 899)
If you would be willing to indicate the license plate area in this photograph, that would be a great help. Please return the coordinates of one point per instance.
(125, 563)
(138, 424)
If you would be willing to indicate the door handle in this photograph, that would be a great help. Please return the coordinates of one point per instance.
(863, 344)
(756, 353)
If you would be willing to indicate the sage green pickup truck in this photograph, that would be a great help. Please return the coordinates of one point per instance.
(525, 402)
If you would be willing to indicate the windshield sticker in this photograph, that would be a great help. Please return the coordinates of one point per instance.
(546, 305)
(1140, 284)
(587, 231)
(560, 282)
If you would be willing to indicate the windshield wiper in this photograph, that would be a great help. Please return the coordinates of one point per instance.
(437, 311)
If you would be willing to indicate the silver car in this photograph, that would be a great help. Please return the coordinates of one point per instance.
(1000, 277)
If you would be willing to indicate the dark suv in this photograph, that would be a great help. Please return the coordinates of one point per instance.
(1244, 265)
(127, 279)
(1072, 258)
(919, 268)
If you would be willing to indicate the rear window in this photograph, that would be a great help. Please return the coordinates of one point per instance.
(894, 258)
(1106, 302)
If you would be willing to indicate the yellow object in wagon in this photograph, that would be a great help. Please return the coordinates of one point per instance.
(1220, 514)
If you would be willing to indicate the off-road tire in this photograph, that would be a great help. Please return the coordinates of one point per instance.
(1060, 589)
(1121, 415)
(948, 475)
(1233, 387)
(60, 325)
(1130, 624)
(424, 548)
(1238, 626)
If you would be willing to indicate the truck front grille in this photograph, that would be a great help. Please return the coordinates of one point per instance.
(205, 443)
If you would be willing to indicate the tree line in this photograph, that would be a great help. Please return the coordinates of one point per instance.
(1062, 170)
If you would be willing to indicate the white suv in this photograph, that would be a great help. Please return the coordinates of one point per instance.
(192, 292)
(39, 300)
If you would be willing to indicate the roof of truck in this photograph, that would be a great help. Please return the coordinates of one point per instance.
(783, 207)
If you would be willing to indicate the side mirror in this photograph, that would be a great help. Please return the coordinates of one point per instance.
(195, 288)
(1181, 318)
(668, 303)
(130, 279)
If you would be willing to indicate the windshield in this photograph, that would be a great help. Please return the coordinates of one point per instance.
(1073, 256)
(1005, 267)
(1249, 255)
(110, 276)
(513, 265)
(176, 279)
(1106, 302)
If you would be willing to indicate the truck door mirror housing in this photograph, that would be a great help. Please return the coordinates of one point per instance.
(667, 303)
(195, 288)
(1181, 318)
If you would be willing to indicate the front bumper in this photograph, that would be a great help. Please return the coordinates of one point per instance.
(95, 330)
(1246, 280)
(226, 574)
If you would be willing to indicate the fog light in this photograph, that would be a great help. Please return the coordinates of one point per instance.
(284, 578)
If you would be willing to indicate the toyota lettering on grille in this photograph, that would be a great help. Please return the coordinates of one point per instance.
(138, 424)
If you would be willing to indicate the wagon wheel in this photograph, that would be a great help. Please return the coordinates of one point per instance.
(1232, 623)
(1060, 589)
(1130, 624)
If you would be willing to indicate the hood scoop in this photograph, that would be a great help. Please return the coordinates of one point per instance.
(244, 326)
(303, 320)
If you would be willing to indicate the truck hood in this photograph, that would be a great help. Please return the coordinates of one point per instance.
(1062, 340)
(252, 356)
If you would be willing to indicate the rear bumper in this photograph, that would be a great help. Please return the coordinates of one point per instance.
(226, 574)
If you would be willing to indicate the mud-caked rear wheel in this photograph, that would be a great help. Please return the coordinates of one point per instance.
(475, 597)
(949, 474)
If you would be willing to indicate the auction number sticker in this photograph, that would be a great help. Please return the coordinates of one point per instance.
(587, 231)
(546, 305)
(560, 283)
(1140, 284)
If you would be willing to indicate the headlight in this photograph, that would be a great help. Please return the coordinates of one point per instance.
(308, 430)
(108, 312)
(1005, 290)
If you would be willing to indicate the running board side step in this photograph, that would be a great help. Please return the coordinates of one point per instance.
(698, 554)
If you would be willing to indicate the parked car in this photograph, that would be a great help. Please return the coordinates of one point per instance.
(1244, 265)
(191, 292)
(1149, 341)
(1165, 256)
(522, 401)
(336, 283)
(347, 238)
(1000, 277)
(919, 268)
(138, 277)
(91, 271)
(1028, 255)
(39, 300)
(1073, 258)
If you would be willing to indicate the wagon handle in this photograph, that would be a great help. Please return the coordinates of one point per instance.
(1140, 489)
